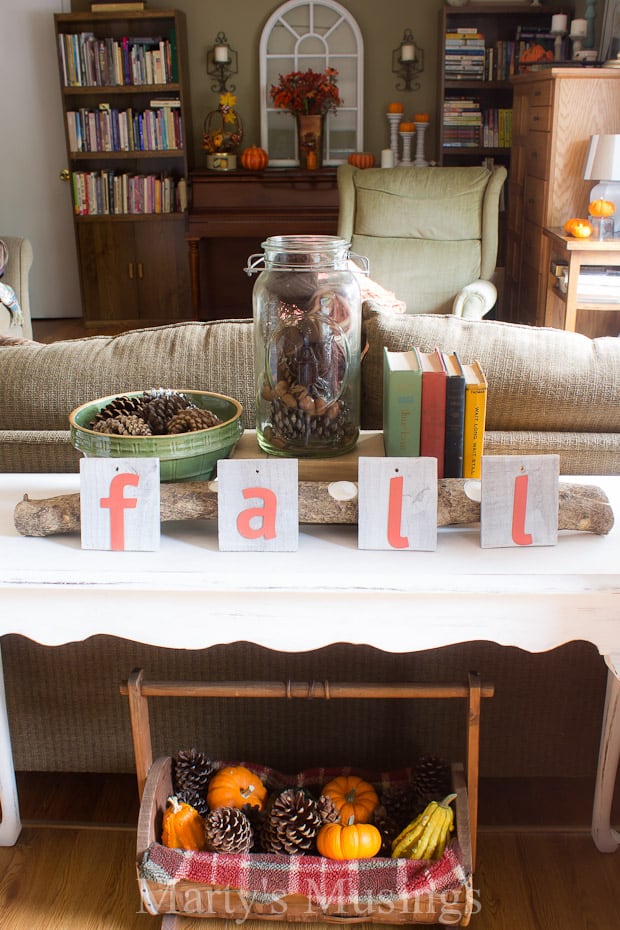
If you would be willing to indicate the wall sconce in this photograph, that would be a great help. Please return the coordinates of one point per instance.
(221, 63)
(408, 61)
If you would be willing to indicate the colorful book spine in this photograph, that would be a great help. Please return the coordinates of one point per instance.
(433, 412)
(402, 402)
(474, 422)
(455, 416)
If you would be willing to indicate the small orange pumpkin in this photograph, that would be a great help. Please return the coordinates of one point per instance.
(578, 228)
(236, 786)
(407, 127)
(354, 798)
(183, 827)
(395, 108)
(254, 158)
(601, 207)
(361, 159)
(348, 841)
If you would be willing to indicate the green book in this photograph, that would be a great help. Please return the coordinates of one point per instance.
(402, 402)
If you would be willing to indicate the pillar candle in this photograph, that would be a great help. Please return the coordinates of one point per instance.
(387, 158)
(407, 52)
(559, 22)
(221, 54)
(579, 27)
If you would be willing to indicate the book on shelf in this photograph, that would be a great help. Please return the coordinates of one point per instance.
(402, 401)
(455, 416)
(433, 410)
(476, 389)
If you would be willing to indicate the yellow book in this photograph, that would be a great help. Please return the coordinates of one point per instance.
(475, 415)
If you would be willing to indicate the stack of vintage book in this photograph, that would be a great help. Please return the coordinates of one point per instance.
(433, 405)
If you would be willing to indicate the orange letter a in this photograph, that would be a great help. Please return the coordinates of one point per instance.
(266, 515)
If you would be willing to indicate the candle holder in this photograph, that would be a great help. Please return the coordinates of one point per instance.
(407, 138)
(420, 161)
(221, 63)
(394, 120)
(408, 61)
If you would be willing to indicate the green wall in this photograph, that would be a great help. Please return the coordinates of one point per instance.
(382, 24)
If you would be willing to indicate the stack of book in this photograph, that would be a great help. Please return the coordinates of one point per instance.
(108, 129)
(89, 61)
(464, 54)
(462, 122)
(435, 406)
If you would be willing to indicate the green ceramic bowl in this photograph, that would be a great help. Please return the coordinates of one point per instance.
(183, 457)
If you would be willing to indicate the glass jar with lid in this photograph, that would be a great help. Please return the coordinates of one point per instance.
(307, 333)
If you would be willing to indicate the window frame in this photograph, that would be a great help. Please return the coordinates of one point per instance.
(278, 19)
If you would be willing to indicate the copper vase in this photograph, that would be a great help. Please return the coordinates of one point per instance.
(310, 140)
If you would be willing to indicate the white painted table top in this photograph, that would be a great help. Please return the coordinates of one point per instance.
(189, 594)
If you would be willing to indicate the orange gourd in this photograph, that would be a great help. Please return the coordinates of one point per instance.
(578, 228)
(254, 158)
(183, 827)
(348, 841)
(236, 786)
(361, 159)
(601, 207)
(354, 798)
(407, 127)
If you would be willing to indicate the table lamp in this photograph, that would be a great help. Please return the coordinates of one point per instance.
(603, 165)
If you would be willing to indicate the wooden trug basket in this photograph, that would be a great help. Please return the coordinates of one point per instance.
(196, 900)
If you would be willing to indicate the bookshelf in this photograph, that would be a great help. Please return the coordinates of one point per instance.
(480, 46)
(127, 118)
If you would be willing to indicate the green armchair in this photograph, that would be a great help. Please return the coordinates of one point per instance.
(430, 234)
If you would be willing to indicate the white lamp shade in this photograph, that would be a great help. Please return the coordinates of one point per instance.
(603, 159)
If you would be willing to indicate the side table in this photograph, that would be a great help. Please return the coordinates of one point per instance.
(561, 309)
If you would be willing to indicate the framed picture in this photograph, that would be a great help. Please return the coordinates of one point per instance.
(610, 30)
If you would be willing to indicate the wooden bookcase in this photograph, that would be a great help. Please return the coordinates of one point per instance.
(118, 73)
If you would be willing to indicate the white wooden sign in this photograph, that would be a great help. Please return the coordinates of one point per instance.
(257, 505)
(119, 504)
(519, 504)
(397, 503)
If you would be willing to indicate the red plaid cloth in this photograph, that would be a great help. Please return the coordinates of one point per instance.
(267, 878)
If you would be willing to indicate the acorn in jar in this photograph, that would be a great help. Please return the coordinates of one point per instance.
(307, 325)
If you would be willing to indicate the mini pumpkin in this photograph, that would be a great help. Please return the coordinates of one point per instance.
(601, 207)
(361, 159)
(236, 786)
(348, 841)
(183, 827)
(353, 797)
(254, 158)
(579, 228)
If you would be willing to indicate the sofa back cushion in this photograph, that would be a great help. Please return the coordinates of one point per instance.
(40, 385)
(539, 378)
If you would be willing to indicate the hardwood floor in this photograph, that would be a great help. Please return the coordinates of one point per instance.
(73, 328)
(538, 868)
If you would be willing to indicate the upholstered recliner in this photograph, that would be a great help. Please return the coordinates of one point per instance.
(430, 234)
(15, 276)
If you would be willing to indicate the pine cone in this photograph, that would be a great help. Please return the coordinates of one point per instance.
(431, 779)
(118, 407)
(400, 803)
(388, 827)
(228, 830)
(187, 421)
(328, 811)
(123, 425)
(159, 406)
(192, 771)
(292, 823)
(195, 800)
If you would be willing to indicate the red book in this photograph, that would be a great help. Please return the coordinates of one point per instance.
(433, 414)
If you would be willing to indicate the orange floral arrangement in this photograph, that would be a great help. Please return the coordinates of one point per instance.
(307, 92)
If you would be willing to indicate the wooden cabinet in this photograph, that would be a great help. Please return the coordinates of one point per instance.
(555, 113)
(127, 116)
(233, 212)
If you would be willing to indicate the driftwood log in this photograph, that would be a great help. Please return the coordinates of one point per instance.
(580, 507)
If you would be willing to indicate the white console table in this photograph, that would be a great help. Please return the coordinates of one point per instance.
(54, 592)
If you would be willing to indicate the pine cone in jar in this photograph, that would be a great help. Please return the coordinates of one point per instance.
(188, 421)
(228, 830)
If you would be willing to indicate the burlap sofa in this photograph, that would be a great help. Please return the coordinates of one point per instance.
(549, 391)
